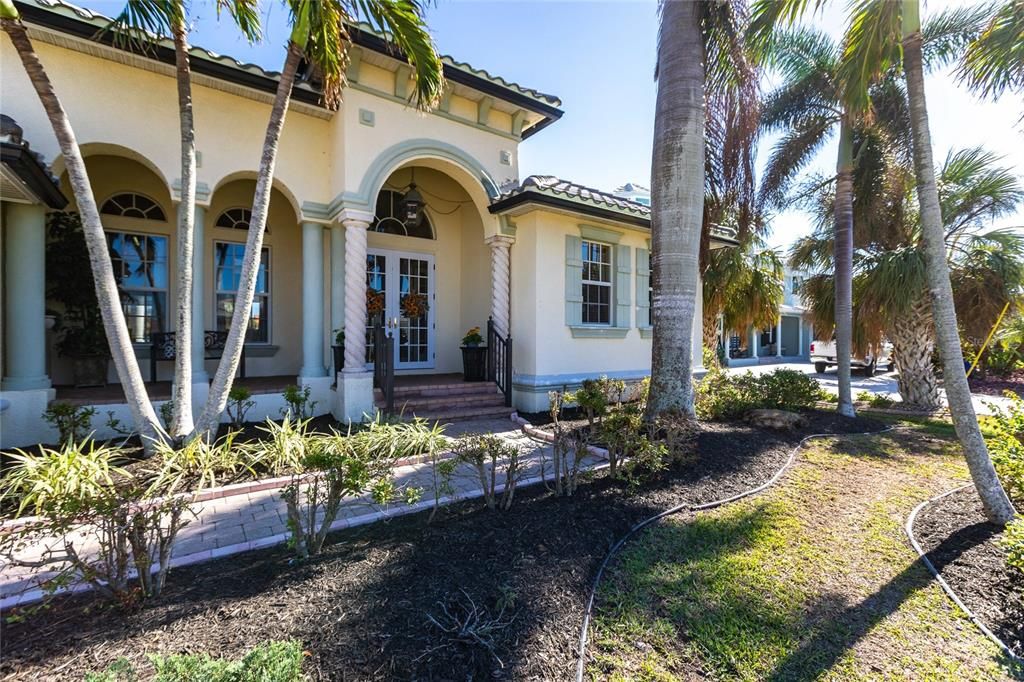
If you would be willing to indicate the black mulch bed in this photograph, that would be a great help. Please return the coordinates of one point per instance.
(361, 609)
(962, 545)
(997, 385)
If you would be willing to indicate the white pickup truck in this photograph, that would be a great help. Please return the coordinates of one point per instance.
(823, 355)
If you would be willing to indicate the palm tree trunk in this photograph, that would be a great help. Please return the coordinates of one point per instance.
(143, 415)
(844, 267)
(678, 199)
(997, 505)
(913, 343)
(181, 390)
(709, 332)
(209, 418)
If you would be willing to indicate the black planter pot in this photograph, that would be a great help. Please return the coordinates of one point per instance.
(339, 357)
(474, 363)
(90, 370)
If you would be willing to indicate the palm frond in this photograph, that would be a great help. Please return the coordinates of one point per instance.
(797, 54)
(402, 23)
(994, 62)
(973, 187)
(789, 156)
(814, 252)
(947, 34)
(814, 95)
(871, 46)
(768, 16)
(986, 273)
(141, 23)
(245, 14)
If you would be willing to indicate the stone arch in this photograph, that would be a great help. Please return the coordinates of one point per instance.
(277, 185)
(89, 149)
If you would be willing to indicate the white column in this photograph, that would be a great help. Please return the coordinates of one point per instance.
(337, 280)
(199, 375)
(25, 291)
(778, 338)
(755, 341)
(800, 337)
(501, 267)
(356, 223)
(312, 301)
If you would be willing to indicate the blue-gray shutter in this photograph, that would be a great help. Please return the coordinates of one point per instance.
(643, 285)
(623, 272)
(573, 280)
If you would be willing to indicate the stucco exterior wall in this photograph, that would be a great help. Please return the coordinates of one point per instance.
(548, 354)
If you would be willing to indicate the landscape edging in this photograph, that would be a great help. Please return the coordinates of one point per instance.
(923, 556)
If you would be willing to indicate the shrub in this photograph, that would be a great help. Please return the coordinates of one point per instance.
(721, 395)
(300, 407)
(335, 467)
(1013, 543)
(110, 522)
(73, 422)
(239, 402)
(1006, 443)
(595, 395)
(488, 455)
(201, 464)
(167, 412)
(619, 433)
(270, 662)
(568, 451)
(283, 449)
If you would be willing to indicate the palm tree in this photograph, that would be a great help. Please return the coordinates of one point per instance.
(140, 24)
(743, 287)
(878, 30)
(691, 35)
(320, 36)
(114, 325)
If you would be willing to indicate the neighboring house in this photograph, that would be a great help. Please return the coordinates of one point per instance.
(562, 270)
(789, 339)
(634, 192)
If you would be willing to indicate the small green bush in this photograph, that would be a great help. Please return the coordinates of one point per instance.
(270, 662)
(496, 462)
(239, 402)
(1006, 444)
(1013, 543)
(300, 407)
(721, 395)
(874, 399)
(73, 422)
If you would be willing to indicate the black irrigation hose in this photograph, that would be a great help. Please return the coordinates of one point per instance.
(909, 528)
(582, 651)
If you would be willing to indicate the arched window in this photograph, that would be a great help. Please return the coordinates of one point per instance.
(235, 218)
(132, 205)
(388, 217)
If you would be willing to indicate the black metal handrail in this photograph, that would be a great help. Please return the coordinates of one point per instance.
(383, 355)
(499, 361)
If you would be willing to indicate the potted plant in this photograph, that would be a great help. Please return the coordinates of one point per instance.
(339, 349)
(474, 356)
(80, 333)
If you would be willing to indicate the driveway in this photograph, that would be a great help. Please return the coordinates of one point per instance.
(883, 383)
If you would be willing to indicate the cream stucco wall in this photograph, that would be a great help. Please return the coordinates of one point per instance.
(547, 354)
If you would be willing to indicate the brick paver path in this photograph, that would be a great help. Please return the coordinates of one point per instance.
(249, 521)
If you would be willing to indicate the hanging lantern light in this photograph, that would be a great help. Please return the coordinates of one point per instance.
(412, 205)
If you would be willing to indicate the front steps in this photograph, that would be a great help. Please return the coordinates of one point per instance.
(447, 401)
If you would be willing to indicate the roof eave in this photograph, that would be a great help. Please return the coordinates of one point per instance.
(31, 172)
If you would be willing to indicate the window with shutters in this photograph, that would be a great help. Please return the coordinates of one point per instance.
(597, 282)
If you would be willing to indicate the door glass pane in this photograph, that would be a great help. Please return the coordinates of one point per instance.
(376, 288)
(414, 303)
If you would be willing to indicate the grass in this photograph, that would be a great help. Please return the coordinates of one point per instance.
(268, 662)
(812, 580)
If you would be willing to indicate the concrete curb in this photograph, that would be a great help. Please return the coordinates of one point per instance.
(923, 556)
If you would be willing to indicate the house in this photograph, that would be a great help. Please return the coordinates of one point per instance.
(562, 270)
(788, 341)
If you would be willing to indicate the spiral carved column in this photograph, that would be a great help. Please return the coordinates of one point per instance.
(500, 280)
(356, 224)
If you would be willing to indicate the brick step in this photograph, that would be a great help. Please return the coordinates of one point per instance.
(482, 388)
(451, 415)
(444, 402)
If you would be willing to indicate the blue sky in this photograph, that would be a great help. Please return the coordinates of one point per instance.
(598, 57)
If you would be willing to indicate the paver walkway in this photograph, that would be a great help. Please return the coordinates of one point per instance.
(244, 522)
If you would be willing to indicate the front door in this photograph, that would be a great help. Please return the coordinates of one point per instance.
(400, 292)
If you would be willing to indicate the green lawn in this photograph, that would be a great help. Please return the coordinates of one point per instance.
(812, 580)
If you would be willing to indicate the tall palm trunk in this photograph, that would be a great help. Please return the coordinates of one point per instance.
(913, 342)
(109, 299)
(997, 505)
(709, 332)
(208, 419)
(844, 266)
(181, 390)
(677, 198)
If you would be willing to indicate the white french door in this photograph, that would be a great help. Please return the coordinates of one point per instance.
(403, 285)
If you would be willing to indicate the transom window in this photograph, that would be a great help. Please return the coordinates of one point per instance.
(227, 273)
(235, 219)
(140, 268)
(597, 283)
(388, 217)
(132, 205)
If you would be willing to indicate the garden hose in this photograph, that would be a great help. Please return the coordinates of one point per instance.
(582, 648)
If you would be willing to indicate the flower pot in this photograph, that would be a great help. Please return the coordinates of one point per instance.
(339, 357)
(90, 370)
(474, 363)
